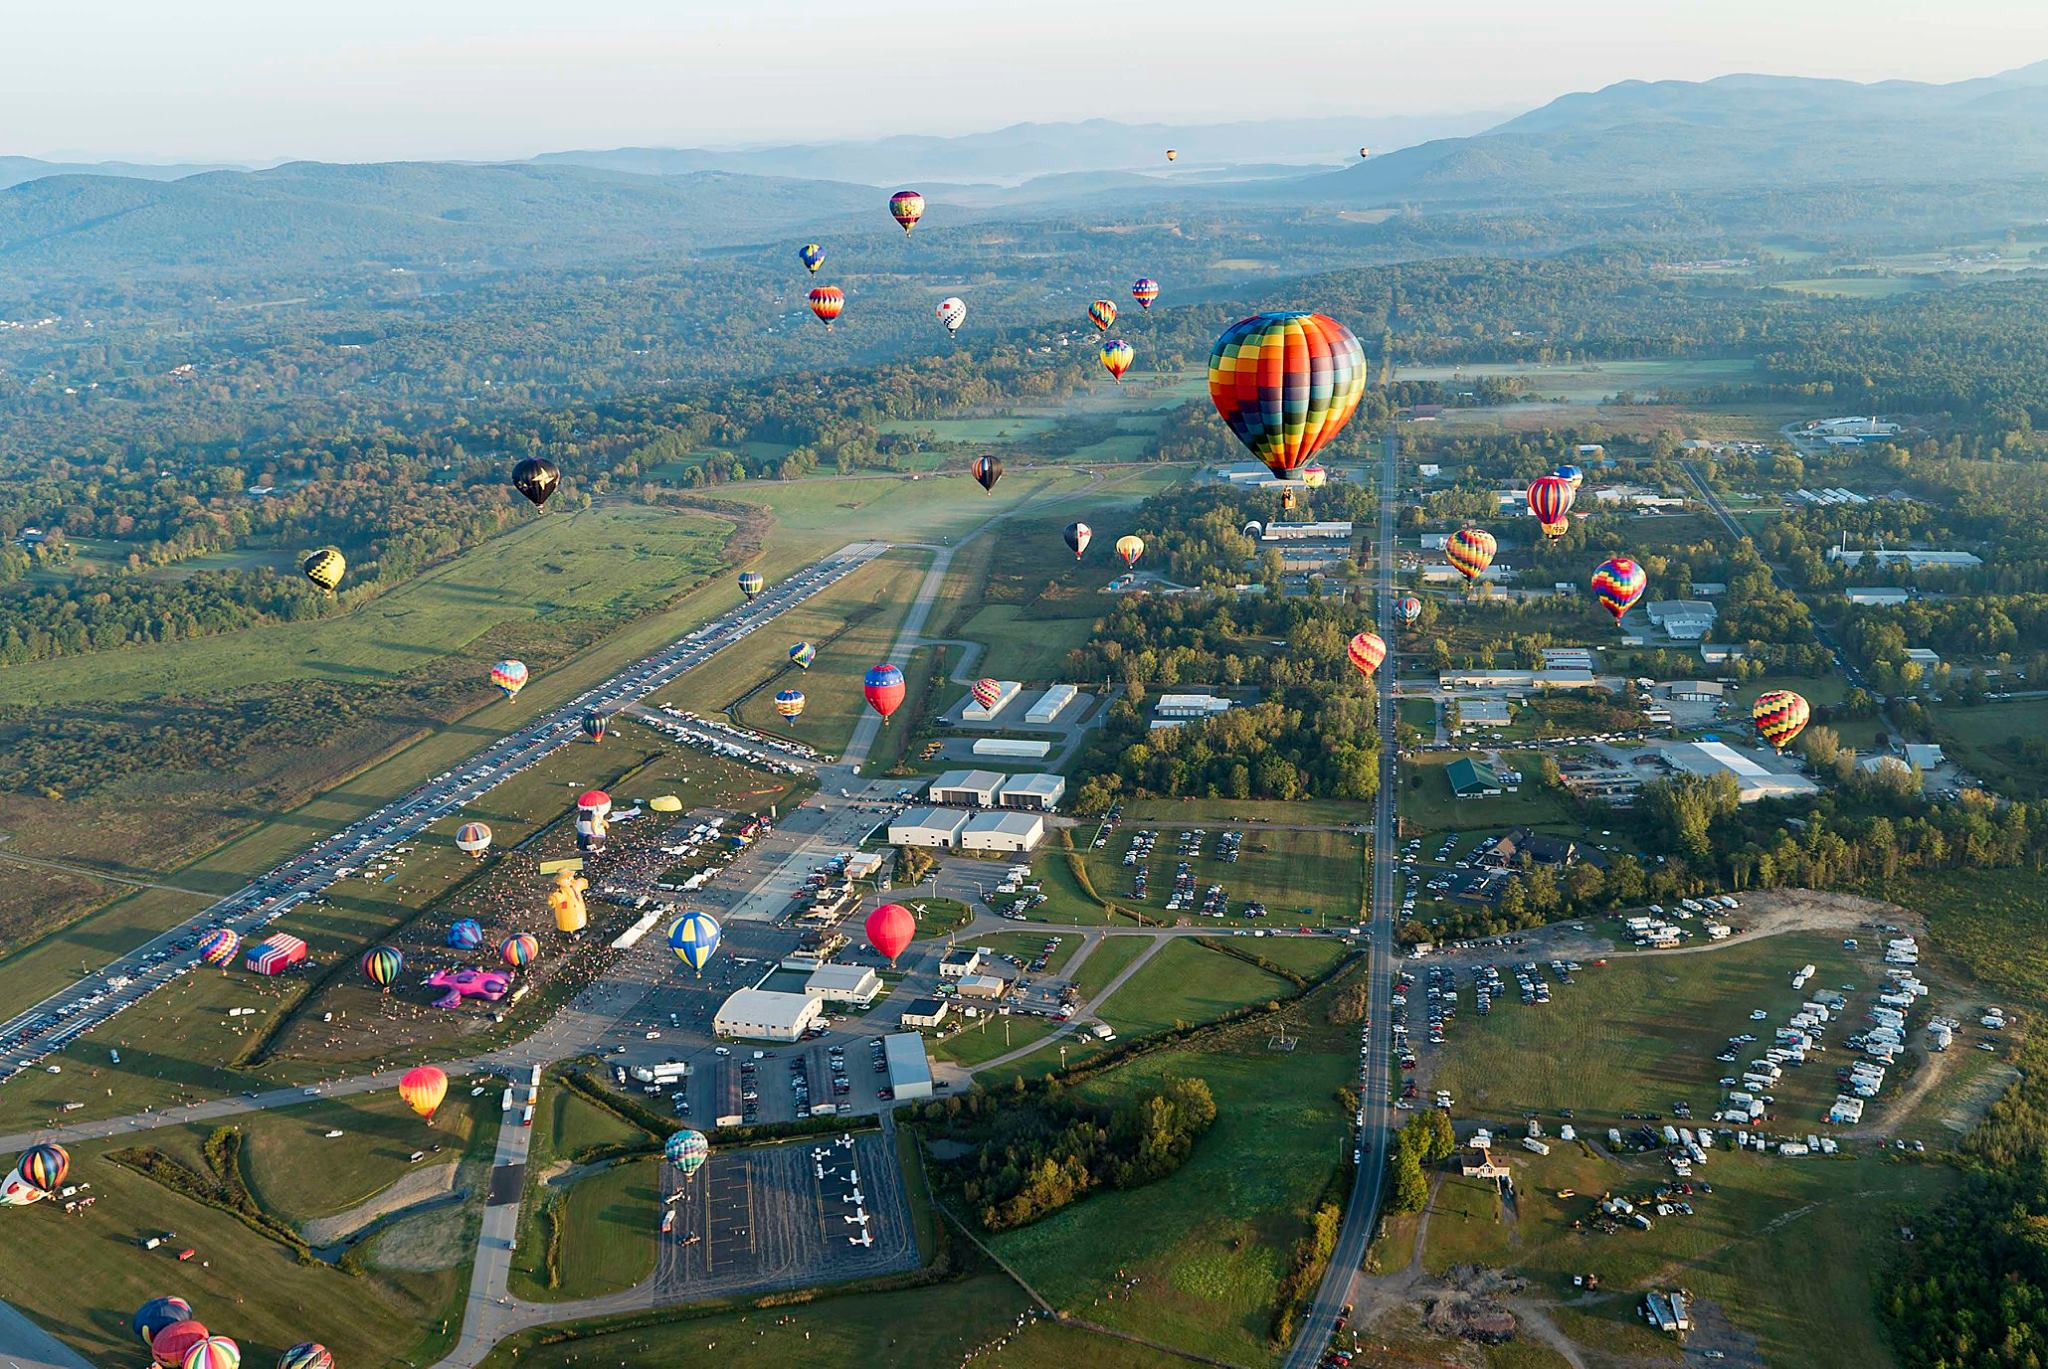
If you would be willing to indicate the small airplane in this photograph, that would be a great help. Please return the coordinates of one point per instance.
(854, 1178)
(858, 1200)
(674, 1198)
(861, 1220)
(863, 1240)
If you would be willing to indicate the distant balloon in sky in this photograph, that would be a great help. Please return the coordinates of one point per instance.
(952, 312)
(536, 478)
(827, 302)
(812, 256)
(907, 206)
(986, 470)
(1079, 535)
(1116, 358)
(1145, 291)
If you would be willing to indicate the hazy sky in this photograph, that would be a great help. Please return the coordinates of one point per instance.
(374, 79)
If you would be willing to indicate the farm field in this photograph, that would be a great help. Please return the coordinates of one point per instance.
(1591, 382)
(1983, 740)
(1208, 1244)
(1185, 983)
(1643, 1030)
(1765, 1216)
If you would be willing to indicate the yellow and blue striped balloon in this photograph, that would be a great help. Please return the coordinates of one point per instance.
(693, 938)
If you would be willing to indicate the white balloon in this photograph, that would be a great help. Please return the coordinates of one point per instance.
(16, 1191)
(952, 312)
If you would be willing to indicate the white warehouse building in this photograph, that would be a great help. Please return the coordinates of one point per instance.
(1041, 793)
(1052, 703)
(972, 788)
(927, 827)
(1002, 832)
(856, 984)
(765, 1015)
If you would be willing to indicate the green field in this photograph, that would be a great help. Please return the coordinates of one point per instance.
(1641, 1031)
(1982, 741)
(1428, 807)
(610, 1223)
(1990, 922)
(1026, 946)
(984, 1038)
(1208, 1245)
(1853, 287)
(1591, 382)
(1289, 871)
(1106, 960)
(1185, 983)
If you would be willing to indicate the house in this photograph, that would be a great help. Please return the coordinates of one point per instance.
(1483, 713)
(910, 1072)
(1919, 560)
(1516, 679)
(1540, 847)
(1923, 657)
(1753, 781)
(1173, 710)
(1471, 780)
(1477, 1162)
(983, 986)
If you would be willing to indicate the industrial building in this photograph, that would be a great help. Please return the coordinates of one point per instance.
(957, 964)
(975, 711)
(1752, 780)
(856, 984)
(923, 1012)
(1879, 595)
(765, 1015)
(1011, 748)
(1307, 532)
(1471, 780)
(938, 827)
(726, 1109)
(1039, 793)
(1002, 832)
(1516, 679)
(910, 1073)
(1889, 556)
(1685, 620)
(983, 986)
(1696, 691)
(1483, 713)
(1568, 657)
(1051, 704)
(1189, 706)
(966, 788)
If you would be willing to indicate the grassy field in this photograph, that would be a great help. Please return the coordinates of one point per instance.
(987, 1037)
(1641, 1031)
(240, 1284)
(1982, 741)
(610, 1222)
(1305, 955)
(1026, 945)
(1186, 982)
(1209, 1244)
(1991, 922)
(1289, 871)
(1829, 1220)
(1106, 960)
(1427, 806)
(1591, 382)
(1852, 287)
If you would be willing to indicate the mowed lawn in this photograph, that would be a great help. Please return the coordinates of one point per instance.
(1209, 1244)
(1186, 982)
(1311, 878)
(1106, 961)
(610, 1221)
(1789, 1249)
(614, 560)
(1430, 809)
(853, 625)
(1642, 1031)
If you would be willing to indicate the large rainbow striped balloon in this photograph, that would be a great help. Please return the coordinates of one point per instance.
(520, 949)
(1102, 313)
(1470, 551)
(382, 965)
(215, 1352)
(1550, 499)
(1366, 651)
(218, 946)
(1286, 383)
(1619, 582)
(509, 676)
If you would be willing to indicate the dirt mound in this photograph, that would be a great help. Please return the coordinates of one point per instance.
(416, 1187)
(1467, 1305)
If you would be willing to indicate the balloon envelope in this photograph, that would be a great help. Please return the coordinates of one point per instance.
(44, 1166)
(1130, 547)
(1550, 499)
(1102, 313)
(215, 1352)
(1779, 715)
(907, 206)
(307, 1355)
(986, 470)
(509, 676)
(175, 1341)
(473, 837)
(802, 654)
(382, 965)
(1116, 358)
(595, 725)
(890, 929)
(536, 479)
(884, 689)
(154, 1315)
(325, 568)
(1144, 291)
(752, 582)
(1286, 383)
(687, 1150)
(811, 255)
(1409, 608)
(1618, 582)
(218, 946)
(1470, 551)
(952, 312)
(1078, 536)
(519, 949)
(423, 1088)
(1366, 651)
(790, 703)
(986, 692)
(693, 937)
(466, 934)
(828, 302)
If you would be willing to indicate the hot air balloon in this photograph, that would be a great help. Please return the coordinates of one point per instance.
(466, 934)
(44, 1166)
(1366, 651)
(1172, 154)
(519, 949)
(802, 654)
(827, 302)
(154, 1315)
(812, 256)
(1116, 357)
(382, 965)
(1408, 608)
(1779, 715)
(595, 725)
(565, 901)
(1103, 313)
(509, 676)
(423, 1088)
(952, 312)
(218, 947)
(307, 1355)
(16, 1191)
(665, 803)
(1619, 582)
(592, 808)
(986, 692)
(325, 568)
(693, 937)
(908, 207)
(1144, 291)
(890, 928)
(986, 470)
(790, 703)
(1364, 152)
(1550, 499)
(1470, 551)
(752, 582)
(1253, 529)
(175, 1342)
(215, 1352)
(1576, 476)
(473, 838)
(687, 1150)
(536, 478)
(884, 688)
(1078, 536)
(1129, 548)
(1286, 383)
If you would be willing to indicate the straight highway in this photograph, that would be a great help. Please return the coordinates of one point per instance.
(55, 1022)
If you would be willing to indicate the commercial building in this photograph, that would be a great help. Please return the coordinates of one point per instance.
(856, 984)
(1307, 532)
(1002, 832)
(1696, 691)
(1752, 780)
(766, 1015)
(1517, 679)
(1890, 556)
(1040, 793)
(974, 711)
(1923, 656)
(1011, 748)
(1483, 713)
(1855, 425)
(1051, 704)
(1190, 705)
(1568, 657)
(1471, 780)
(938, 827)
(1879, 595)
(958, 964)
(1636, 497)
(983, 986)
(923, 1012)
(1685, 620)
(910, 1072)
(1925, 755)
(726, 1108)
(276, 953)
(966, 788)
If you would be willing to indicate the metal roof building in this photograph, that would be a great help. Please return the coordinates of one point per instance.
(1006, 693)
(844, 984)
(1039, 792)
(927, 827)
(910, 1073)
(763, 1014)
(1052, 703)
(1002, 832)
(974, 788)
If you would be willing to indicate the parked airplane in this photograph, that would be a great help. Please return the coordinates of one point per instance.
(863, 1240)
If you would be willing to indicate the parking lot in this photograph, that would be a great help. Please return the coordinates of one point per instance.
(786, 1216)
